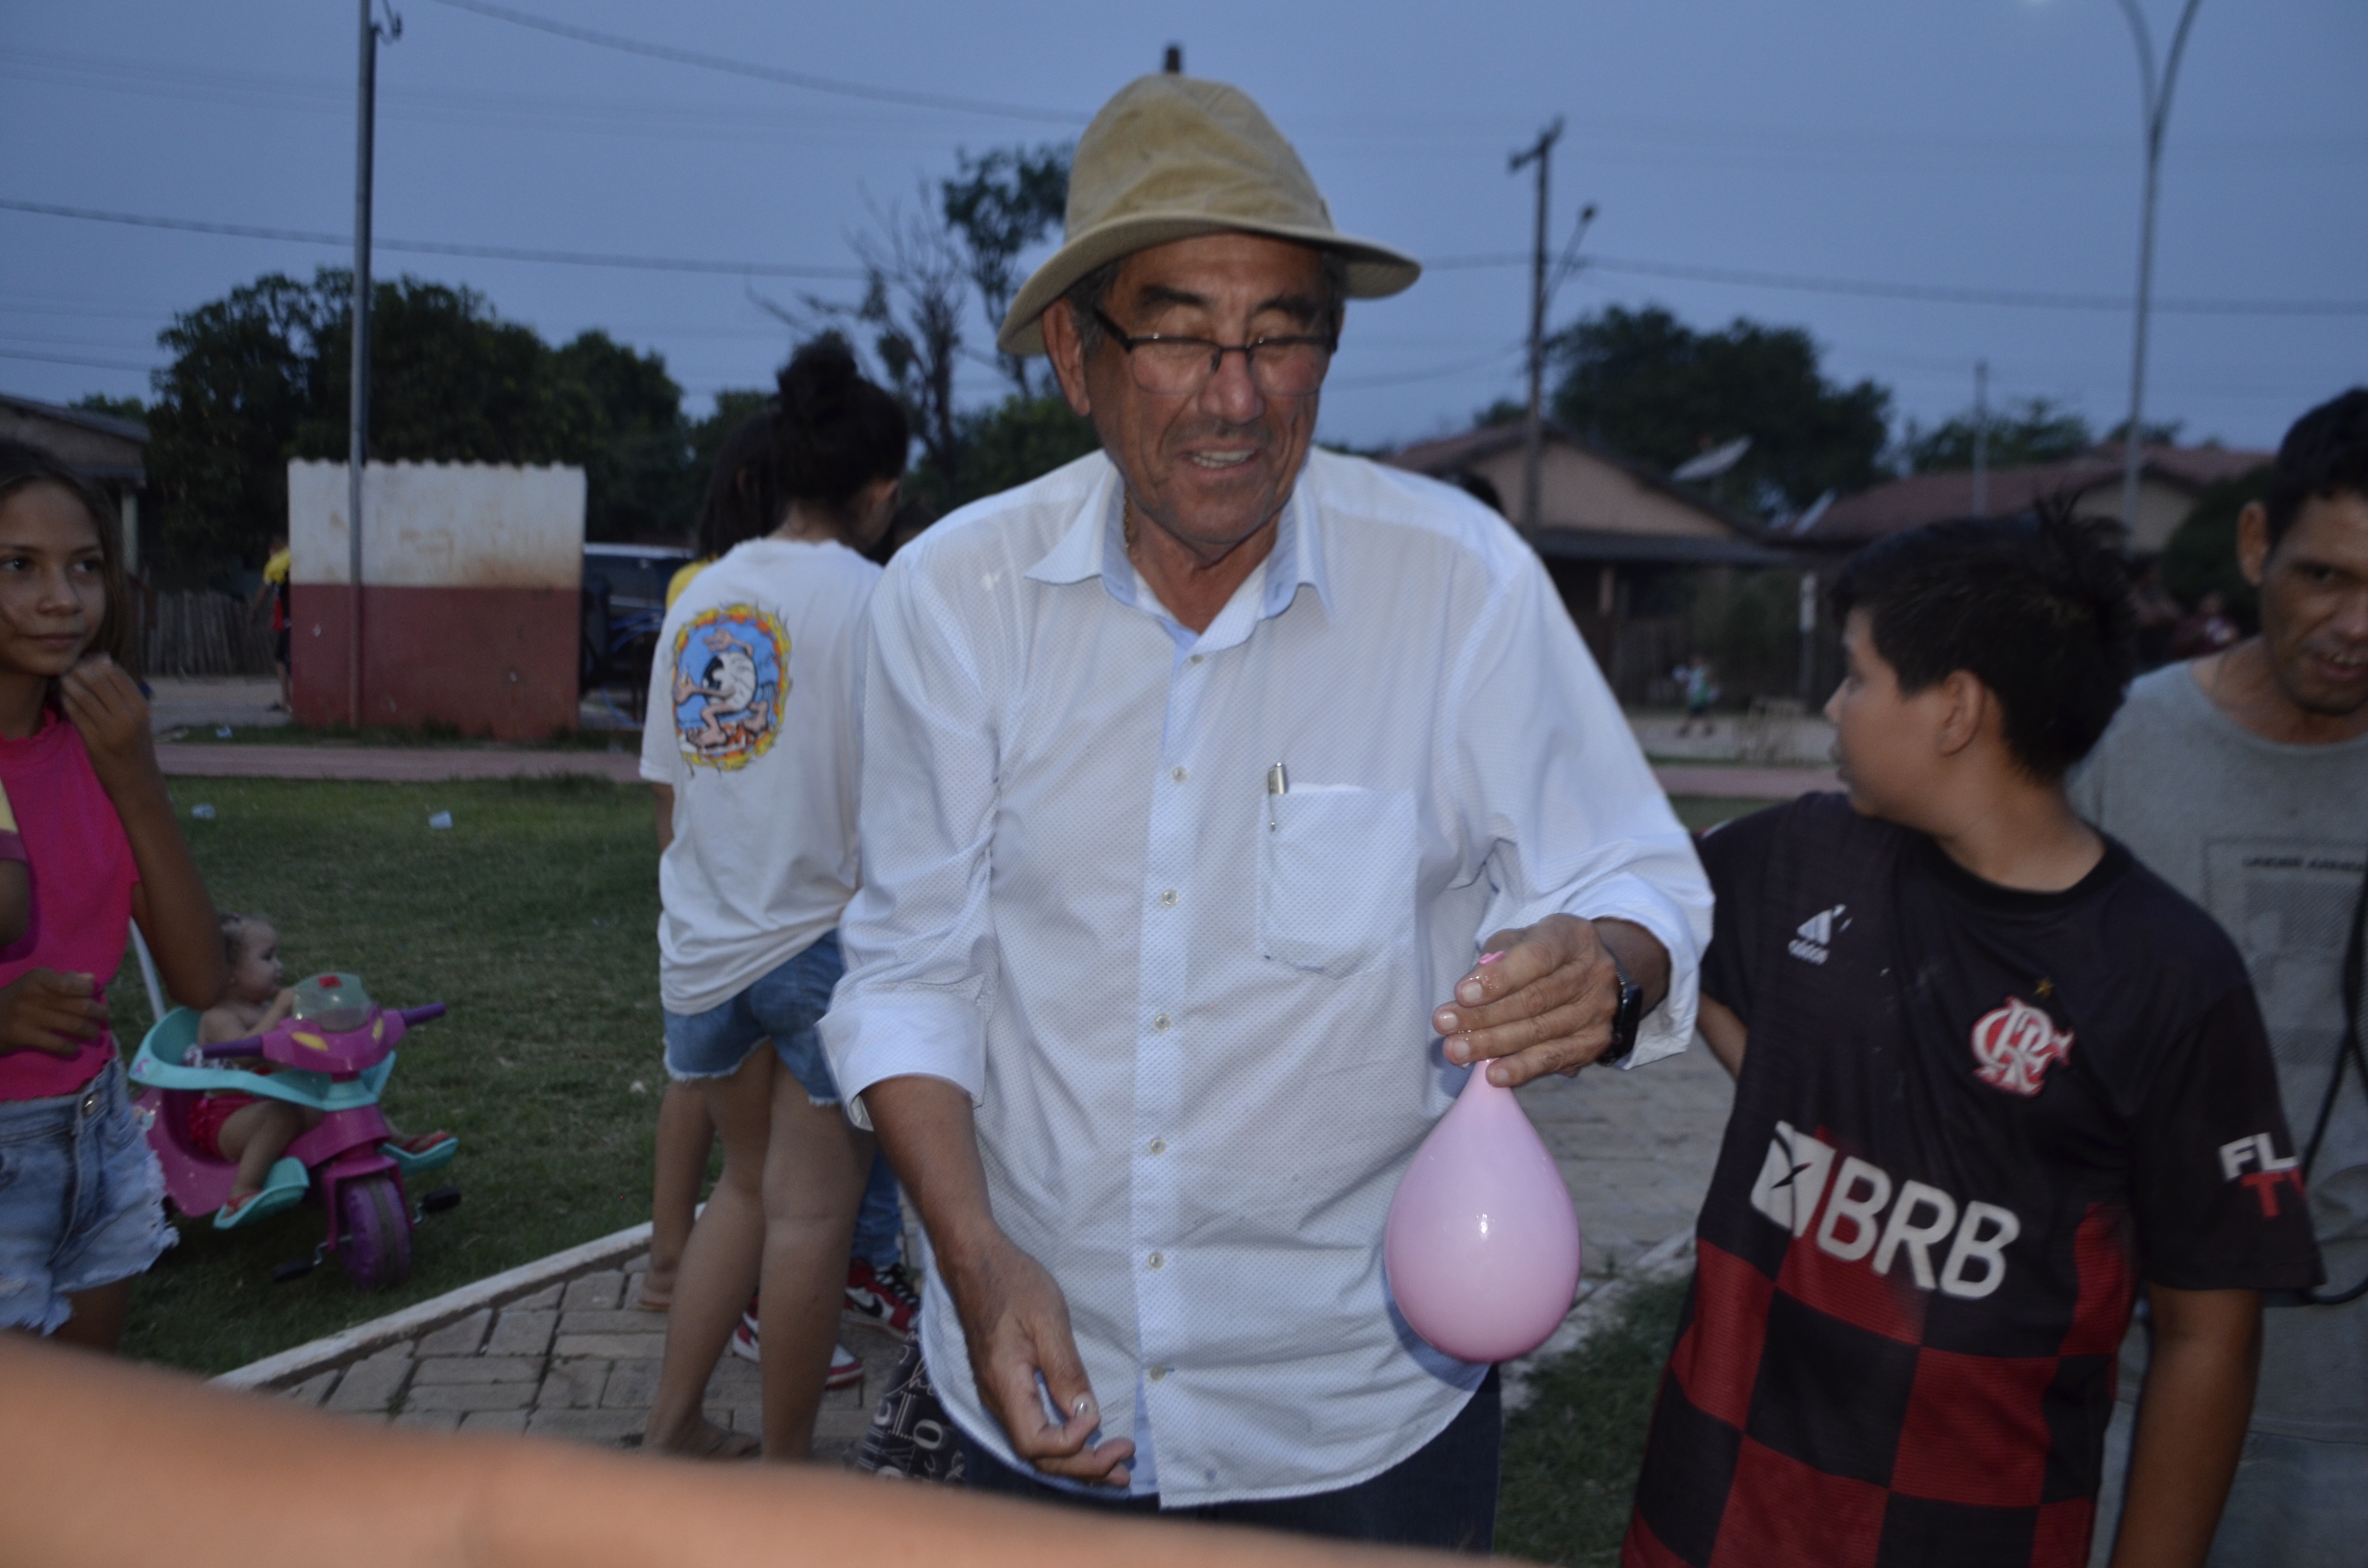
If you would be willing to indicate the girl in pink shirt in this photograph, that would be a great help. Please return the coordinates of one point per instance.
(80, 1198)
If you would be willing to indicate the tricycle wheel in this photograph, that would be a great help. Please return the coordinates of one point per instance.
(375, 1240)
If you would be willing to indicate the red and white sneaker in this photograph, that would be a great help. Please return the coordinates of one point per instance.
(845, 1367)
(883, 1298)
(744, 1337)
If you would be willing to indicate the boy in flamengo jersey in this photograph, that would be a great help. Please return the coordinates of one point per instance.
(1992, 1076)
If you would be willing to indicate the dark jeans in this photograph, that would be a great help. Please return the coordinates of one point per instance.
(1443, 1495)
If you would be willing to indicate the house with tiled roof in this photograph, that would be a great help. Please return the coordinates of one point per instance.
(110, 452)
(1622, 541)
(2170, 479)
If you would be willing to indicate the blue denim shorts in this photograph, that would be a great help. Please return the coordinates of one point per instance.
(82, 1200)
(782, 1006)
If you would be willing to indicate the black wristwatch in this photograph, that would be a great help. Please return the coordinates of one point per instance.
(1626, 1017)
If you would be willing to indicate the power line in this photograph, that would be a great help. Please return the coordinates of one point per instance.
(1930, 293)
(67, 360)
(764, 73)
(1940, 294)
(424, 247)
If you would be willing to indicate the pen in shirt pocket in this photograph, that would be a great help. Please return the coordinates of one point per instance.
(1278, 785)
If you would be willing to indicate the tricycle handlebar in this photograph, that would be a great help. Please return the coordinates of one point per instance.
(422, 1014)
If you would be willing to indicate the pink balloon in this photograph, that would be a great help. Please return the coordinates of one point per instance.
(1483, 1244)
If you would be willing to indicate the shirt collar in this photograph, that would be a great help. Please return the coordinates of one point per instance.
(1095, 544)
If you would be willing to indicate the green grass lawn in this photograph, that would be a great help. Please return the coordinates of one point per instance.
(1571, 1453)
(587, 739)
(533, 918)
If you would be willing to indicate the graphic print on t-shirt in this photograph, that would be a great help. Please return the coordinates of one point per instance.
(730, 673)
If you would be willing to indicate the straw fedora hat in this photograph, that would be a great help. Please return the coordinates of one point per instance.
(1172, 157)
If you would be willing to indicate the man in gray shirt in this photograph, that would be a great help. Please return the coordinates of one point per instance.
(2242, 779)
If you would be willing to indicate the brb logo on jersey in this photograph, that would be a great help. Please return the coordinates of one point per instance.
(2014, 1046)
(1958, 1248)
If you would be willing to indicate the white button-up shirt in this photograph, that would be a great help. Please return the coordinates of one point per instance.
(1193, 1016)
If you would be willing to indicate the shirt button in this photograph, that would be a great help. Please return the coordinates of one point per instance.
(1196, 658)
(1177, 773)
(1157, 1260)
(1160, 1024)
(1157, 1372)
(1159, 1145)
(1169, 899)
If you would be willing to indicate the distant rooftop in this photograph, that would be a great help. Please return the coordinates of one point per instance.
(1918, 498)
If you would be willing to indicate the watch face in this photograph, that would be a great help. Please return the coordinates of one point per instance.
(1625, 1018)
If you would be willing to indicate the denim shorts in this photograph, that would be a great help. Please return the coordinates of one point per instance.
(782, 1006)
(82, 1200)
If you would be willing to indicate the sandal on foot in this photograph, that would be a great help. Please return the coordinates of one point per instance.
(283, 1189)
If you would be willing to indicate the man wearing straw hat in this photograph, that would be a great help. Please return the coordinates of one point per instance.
(1197, 774)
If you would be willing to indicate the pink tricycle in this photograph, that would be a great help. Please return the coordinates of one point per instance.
(333, 1055)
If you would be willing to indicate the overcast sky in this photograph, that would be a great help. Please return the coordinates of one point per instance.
(1980, 145)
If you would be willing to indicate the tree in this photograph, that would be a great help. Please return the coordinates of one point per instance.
(2034, 430)
(244, 378)
(999, 204)
(99, 403)
(619, 418)
(260, 375)
(708, 436)
(1011, 441)
(911, 311)
(2201, 554)
(1646, 384)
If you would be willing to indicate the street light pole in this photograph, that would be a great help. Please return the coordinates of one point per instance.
(1533, 435)
(357, 432)
(2154, 102)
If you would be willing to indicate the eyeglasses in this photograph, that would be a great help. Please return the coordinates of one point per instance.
(1280, 367)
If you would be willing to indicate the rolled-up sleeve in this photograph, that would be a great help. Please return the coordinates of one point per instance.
(1560, 790)
(919, 937)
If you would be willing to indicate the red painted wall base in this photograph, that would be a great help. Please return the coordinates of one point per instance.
(487, 661)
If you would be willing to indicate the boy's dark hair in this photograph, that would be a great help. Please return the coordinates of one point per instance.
(2035, 608)
(2324, 454)
(22, 466)
(834, 432)
(743, 500)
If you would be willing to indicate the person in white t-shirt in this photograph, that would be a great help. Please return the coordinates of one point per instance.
(752, 730)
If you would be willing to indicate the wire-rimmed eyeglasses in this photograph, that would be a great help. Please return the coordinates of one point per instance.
(1280, 367)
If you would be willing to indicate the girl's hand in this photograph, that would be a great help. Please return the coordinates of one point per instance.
(105, 704)
(42, 1010)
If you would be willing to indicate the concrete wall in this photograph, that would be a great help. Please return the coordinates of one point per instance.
(470, 608)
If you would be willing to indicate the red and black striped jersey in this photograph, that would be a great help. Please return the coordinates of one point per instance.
(1969, 1121)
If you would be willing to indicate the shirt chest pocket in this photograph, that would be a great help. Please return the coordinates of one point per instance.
(1336, 877)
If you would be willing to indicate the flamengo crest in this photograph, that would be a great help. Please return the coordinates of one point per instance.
(2014, 1046)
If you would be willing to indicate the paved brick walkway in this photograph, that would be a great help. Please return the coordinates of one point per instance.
(574, 1359)
(578, 1359)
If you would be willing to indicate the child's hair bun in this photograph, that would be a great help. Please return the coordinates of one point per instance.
(819, 381)
(833, 432)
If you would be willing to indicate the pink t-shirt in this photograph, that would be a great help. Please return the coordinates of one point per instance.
(82, 876)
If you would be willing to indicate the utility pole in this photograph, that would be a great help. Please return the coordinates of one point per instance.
(1981, 438)
(2154, 102)
(1534, 436)
(357, 433)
